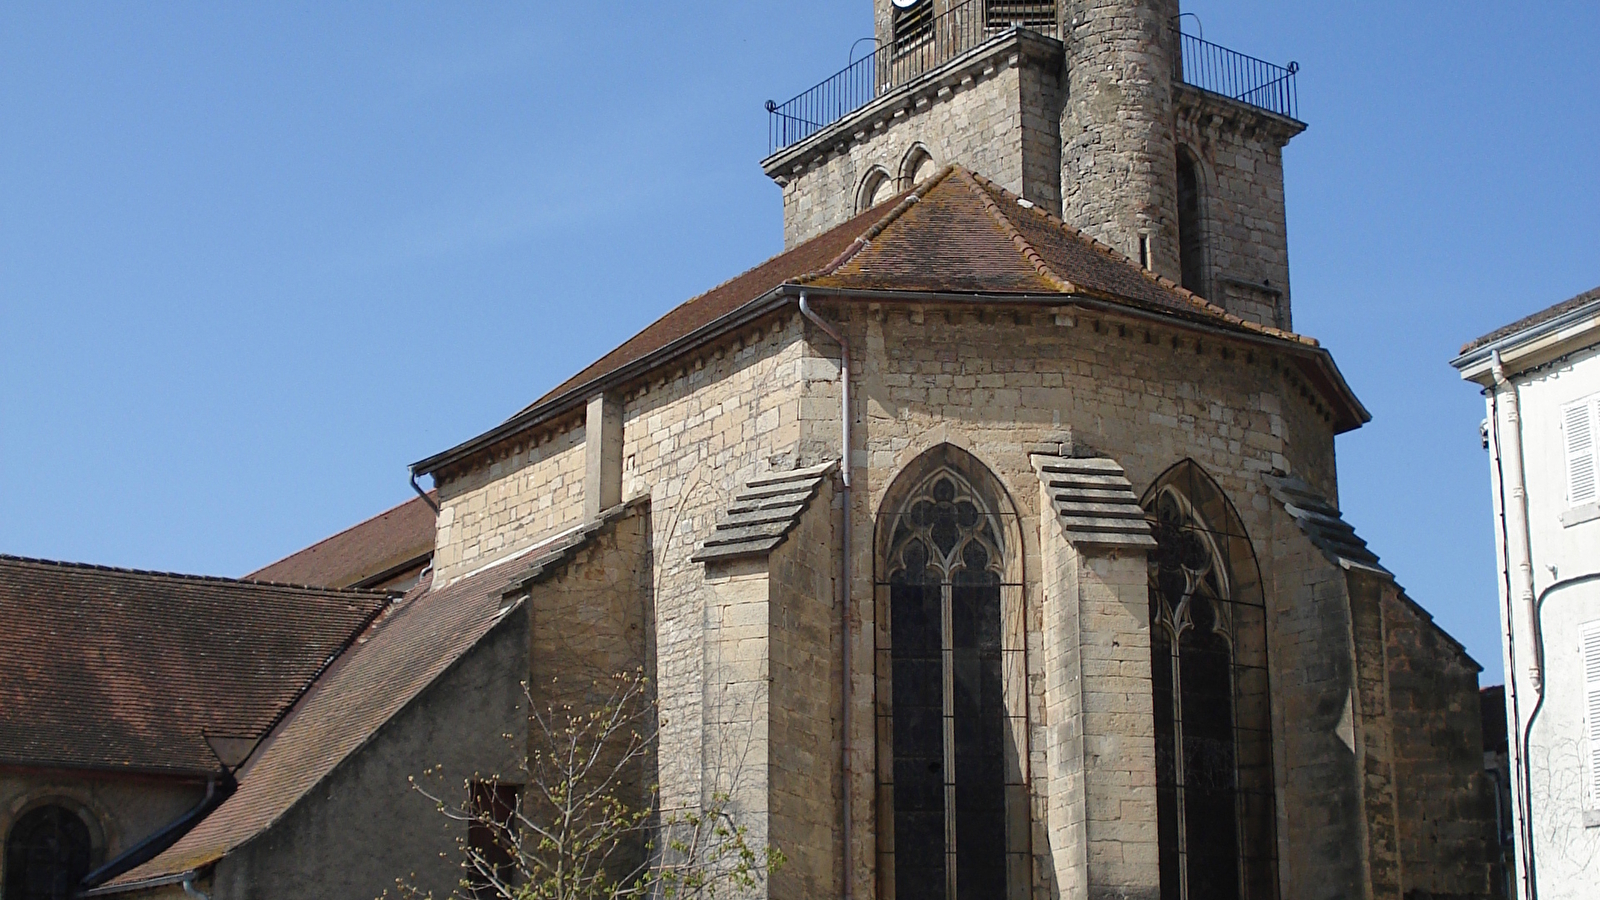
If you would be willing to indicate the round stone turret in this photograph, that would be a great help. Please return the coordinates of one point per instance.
(1118, 161)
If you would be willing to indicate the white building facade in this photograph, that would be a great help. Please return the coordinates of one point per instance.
(1541, 382)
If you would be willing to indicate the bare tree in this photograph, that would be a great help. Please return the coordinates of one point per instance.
(588, 824)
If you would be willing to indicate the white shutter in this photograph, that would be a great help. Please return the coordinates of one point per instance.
(1579, 426)
(1591, 695)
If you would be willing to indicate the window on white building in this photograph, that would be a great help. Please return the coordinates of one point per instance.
(1580, 426)
(1591, 696)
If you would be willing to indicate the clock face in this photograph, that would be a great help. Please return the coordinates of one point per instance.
(907, 4)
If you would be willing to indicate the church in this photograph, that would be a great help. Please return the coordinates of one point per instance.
(992, 527)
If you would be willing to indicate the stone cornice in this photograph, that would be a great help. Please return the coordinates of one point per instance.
(1205, 111)
(1012, 49)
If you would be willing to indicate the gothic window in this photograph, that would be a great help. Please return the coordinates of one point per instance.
(47, 853)
(1215, 810)
(1191, 249)
(954, 760)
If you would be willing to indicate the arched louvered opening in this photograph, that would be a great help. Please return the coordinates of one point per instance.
(47, 852)
(951, 664)
(1213, 725)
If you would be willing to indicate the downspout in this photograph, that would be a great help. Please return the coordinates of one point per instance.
(423, 494)
(218, 788)
(1519, 586)
(844, 585)
(191, 890)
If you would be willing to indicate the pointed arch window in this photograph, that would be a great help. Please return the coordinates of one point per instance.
(955, 767)
(1214, 779)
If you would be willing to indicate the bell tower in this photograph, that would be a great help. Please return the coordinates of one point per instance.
(1162, 145)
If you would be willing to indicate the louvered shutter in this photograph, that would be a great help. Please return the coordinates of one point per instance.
(1591, 695)
(1578, 425)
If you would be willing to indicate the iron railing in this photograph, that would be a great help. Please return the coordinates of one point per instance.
(927, 43)
(1232, 74)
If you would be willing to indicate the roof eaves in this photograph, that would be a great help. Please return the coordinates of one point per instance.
(575, 397)
(1476, 354)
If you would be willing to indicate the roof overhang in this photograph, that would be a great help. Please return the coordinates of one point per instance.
(1533, 346)
(1313, 362)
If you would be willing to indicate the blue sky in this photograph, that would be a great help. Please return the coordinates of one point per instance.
(256, 259)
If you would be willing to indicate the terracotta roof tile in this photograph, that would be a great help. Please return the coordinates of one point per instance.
(388, 541)
(957, 232)
(398, 656)
(122, 669)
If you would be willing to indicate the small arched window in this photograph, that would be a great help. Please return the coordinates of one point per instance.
(47, 854)
(1191, 227)
(916, 168)
(875, 188)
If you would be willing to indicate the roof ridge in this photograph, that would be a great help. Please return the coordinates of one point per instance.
(185, 576)
(1184, 293)
(877, 228)
(1024, 246)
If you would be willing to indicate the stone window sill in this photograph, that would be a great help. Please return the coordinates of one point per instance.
(1585, 513)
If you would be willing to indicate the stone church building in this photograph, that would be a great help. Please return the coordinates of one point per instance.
(985, 543)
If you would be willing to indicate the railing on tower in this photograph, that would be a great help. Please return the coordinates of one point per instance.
(1232, 74)
(921, 42)
(924, 42)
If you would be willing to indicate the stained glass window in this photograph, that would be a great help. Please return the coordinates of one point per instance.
(47, 852)
(1215, 811)
(949, 715)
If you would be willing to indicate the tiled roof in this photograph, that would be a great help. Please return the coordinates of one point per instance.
(763, 514)
(1095, 500)
(1538, 318)
(128, 670)
(402, 653)
(388, 541)
(957, 232)
(391, 663)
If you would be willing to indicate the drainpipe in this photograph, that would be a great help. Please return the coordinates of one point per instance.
(1511, 457)
(423, 494)
(191, 890)
(1518, 580)
(844, 583)
(218, 788)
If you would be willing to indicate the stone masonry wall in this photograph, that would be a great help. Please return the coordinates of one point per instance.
(803, 717)
(1445, 808)
(1321, 818)
(119, 810)
(1239, 152)
(691, 438)
(1118, 168)
(995, 113)
(995, 381)
(531, 490)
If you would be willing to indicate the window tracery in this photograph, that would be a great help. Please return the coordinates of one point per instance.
(1215, 813)
(945, 568)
